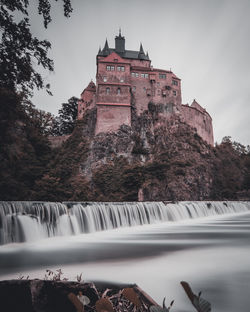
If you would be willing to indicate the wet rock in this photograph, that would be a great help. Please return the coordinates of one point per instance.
(61, 296)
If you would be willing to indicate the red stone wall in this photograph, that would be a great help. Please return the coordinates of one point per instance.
(199, 120)
(116, 80)
(155, 89)
(113, 97)
(87, 101)
(140, 63)
(111, 117)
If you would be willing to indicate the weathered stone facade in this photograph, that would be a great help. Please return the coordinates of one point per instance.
(126, 81)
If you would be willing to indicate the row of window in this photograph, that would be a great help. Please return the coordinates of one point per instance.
(118, 91)
(159, 92)
(162, 76)
(138, 75)
(105, 79)
(118, 68)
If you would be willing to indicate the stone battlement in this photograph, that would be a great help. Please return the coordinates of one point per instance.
(126, 80)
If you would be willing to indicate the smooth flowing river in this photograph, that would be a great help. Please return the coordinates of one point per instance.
(206, 244)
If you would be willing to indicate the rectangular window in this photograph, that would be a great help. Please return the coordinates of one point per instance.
(122, 68)
(108, 68)
(174, 82)
(136, 75)
(142, 75)
(162, 76)
(133, 74)
(112, 68)
(105, 79)
(121, 79)
(174, 93)
(118, 68)
(146, 75)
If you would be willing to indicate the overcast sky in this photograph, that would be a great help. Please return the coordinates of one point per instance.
(206, 43)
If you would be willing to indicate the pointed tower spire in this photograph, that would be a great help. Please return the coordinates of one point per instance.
(106, 50)
(120, 32)
(141, 54)
(106, 46)
(141, 49)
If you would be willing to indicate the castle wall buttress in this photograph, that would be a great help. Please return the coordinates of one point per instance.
(111, 117)
(200, 120)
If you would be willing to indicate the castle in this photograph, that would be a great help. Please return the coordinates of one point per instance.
(126, 80)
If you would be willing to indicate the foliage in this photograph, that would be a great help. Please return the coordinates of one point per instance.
(64, 124)
(54, 276)
(228, 169)
(20, 51)
(24, 151)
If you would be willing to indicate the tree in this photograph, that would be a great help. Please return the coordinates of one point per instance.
(19, 49)
(64, 124)
(68, 114)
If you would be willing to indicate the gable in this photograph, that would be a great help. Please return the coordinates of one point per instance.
(113, 58)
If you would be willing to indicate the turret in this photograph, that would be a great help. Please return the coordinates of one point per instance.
(141, 54)
(106, 51)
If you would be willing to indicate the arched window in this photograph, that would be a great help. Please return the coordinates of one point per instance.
(107, 90)
(118, 91)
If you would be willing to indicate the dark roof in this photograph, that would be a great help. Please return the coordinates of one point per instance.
(127, 54)
(130, 54)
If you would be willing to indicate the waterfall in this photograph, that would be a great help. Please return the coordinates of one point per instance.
(27, 221)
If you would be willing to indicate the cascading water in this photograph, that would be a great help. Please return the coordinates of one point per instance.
(25, 221)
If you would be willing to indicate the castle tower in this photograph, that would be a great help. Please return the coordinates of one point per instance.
(120, 43)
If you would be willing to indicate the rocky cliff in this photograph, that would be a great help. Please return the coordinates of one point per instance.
(157, 158)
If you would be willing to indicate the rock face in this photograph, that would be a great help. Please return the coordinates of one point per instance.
(60, 296)
(158, 158)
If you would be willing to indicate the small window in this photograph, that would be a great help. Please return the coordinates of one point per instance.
(118, 68)
(174, 93)
(162, 76)
(136, 75)
(134, 88)
(116, 60)
(133, 74)
(118, 91)
(108, 68)
(174, 82)
(146, 75)
(112, 68)
(107, 90)
(121, 79)
(105, 79)
(122, 68)
(142, 75)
